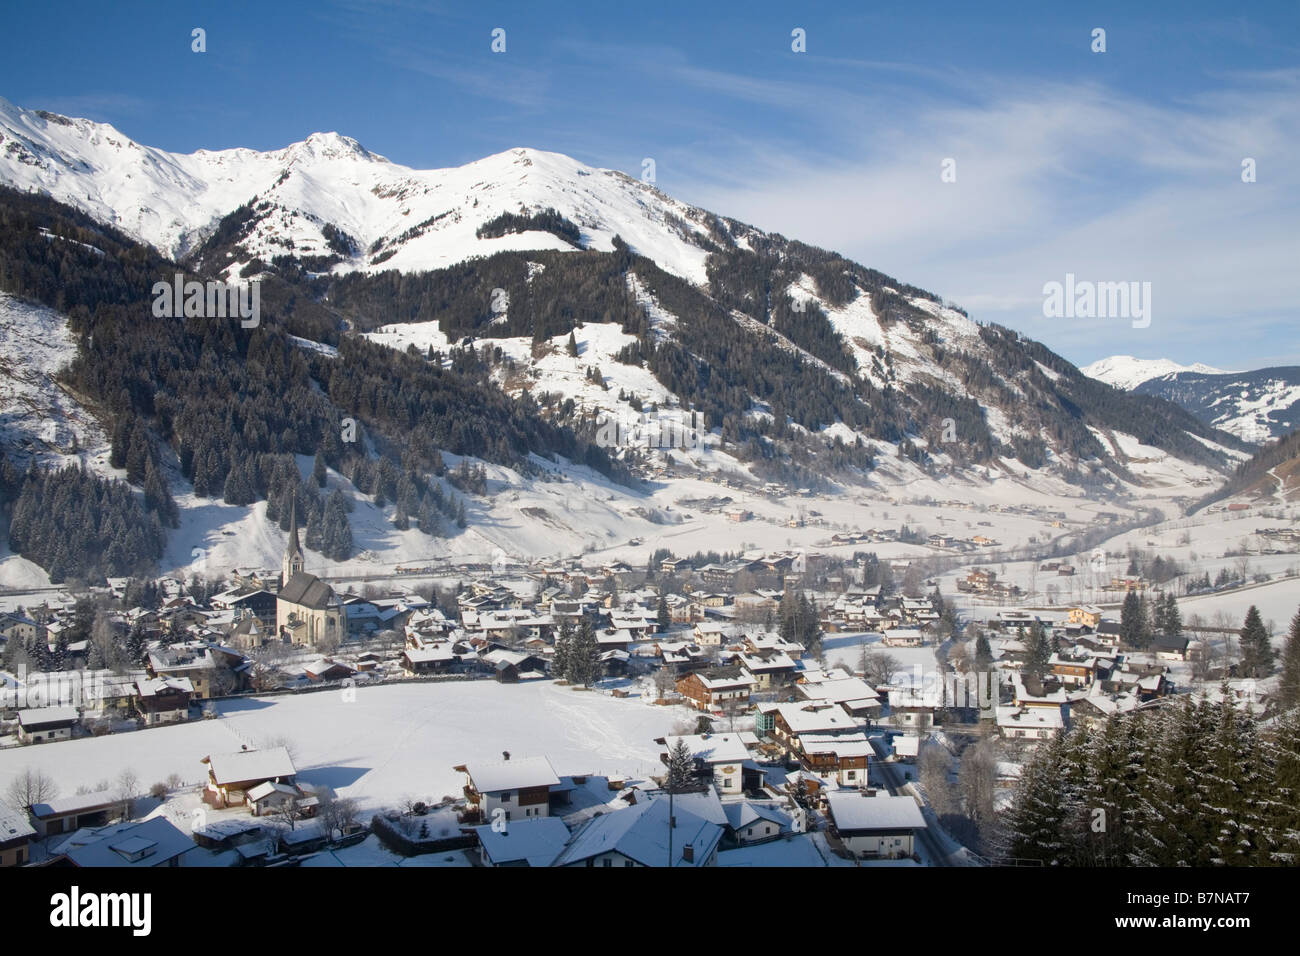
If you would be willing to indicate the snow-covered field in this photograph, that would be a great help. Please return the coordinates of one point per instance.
(391, 742)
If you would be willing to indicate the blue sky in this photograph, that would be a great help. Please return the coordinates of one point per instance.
(1115, 166)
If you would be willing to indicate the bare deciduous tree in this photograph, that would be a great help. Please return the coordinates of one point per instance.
(879, 667)
(31, 786)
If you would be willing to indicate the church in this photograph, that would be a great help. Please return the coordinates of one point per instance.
(307, 611)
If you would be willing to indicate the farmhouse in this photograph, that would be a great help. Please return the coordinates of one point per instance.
(42, 724)
(875, 826)
(521, 788)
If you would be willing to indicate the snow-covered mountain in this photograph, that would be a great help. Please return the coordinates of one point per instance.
(386, 215)
(1256, 406)
(1127, 372)
(806, 369)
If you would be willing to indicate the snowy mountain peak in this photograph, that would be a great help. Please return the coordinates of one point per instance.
(309, 192)
(1127, 372)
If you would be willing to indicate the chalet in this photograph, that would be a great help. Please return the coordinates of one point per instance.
(842, 756)
(163, 700)
(151, 843)
(644, 834)
(232, 776)
(1073, 672)
(520, 788)
(213, 670)
(429, 658)
(717, 689)
(16, 833)
(43, 724)
(769, 667)
(877, 826)
(791, 721)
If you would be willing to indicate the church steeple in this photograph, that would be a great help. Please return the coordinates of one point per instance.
(293, 560)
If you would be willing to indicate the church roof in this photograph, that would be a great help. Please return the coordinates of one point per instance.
(307, 590)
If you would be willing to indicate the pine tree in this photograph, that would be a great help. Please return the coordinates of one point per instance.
(664, 620)
(1173, 620)
(318, 470)
(1257, 655)
(1288, 689)
(983, 654)
(1040, 650)
(681, 768)
(563, 652)
(572, 346)
(1132, 621)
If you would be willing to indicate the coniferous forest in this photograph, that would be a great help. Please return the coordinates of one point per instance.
(1189, 784)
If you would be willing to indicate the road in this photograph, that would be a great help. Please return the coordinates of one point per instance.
(934, 852)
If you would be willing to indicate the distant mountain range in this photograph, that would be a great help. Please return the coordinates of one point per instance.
(1255, 406)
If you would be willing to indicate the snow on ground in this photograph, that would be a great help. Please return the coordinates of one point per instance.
(392, 741)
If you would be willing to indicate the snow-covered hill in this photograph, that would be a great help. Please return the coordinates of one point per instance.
(1127, 372)
(395, 217)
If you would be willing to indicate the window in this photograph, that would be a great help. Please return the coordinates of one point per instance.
(628, 863)
(607, 862)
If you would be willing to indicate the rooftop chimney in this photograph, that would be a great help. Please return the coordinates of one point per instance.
(688, 853)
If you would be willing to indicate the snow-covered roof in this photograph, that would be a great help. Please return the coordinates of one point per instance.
(251, 765)
(537, 841)
(151, 843)
(852, 810)
(640, 833)
(712, 748)
(493, 777)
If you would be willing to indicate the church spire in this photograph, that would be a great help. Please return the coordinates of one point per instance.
(293, 560)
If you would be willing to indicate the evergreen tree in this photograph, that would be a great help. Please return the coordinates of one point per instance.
(664, 620)
(1257, 655)
(1132, 621)
(572, 346)
(983, 654)
(1173, 620)
(1040, 650)
(563, 652)
(681, 768)
(1288, 689)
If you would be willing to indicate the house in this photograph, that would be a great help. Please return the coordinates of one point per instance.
(719, 757)
(163, 700)
(645, 834)
(1019, 722)
(903, 637)
(1170, 648)
(717, 688)
(707, 634)
(16, 832)
(324, 670)
(789, 722)
(43, 724)
(232, 776)
(853, 694)
(842, 756)
(154, 842)
(532, 842)
(877, 826)
(256, 601)
(1088, 615)
(750, 823)
(430, 657)
(212, 670)
(1072, 672)
(520, 788)
(269, 796)
(65, 814)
